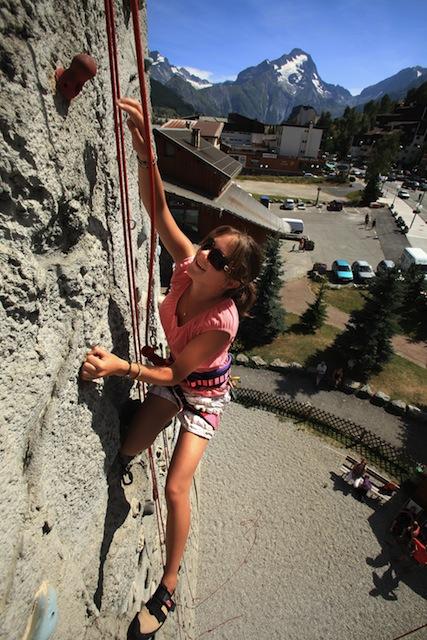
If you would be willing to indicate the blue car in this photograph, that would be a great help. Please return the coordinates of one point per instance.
(342, 271)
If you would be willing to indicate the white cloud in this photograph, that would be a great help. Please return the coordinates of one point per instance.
(210, 75)
(200, 73)
(355, 92)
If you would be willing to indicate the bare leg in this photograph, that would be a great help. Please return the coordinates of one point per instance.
(152, 416)
(187, 455)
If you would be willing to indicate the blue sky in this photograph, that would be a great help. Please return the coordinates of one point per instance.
(354, 43)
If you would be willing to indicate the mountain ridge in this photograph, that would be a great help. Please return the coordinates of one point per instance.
(270, 90)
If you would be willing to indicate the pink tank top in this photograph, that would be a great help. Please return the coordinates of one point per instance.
(222, 317)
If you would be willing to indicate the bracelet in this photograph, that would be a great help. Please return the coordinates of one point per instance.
(145, 164)
(127, 374)
(139, 371)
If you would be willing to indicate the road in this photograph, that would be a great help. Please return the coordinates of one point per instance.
(391, 188)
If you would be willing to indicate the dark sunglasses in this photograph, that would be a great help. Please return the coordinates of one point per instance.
(215, 257)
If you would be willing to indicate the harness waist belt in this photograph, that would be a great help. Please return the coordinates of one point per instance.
(197, 380)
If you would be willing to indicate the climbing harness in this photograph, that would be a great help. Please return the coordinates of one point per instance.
(197, 380)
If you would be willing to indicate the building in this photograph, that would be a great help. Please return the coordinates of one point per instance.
(201, 194)
(410, 121)
(302, 115)
(300, 141)
(210, 129)
(281, 149)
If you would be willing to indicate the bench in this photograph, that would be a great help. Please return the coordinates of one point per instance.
(377, 480)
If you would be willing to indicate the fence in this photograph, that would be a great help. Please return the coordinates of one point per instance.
(393, 460)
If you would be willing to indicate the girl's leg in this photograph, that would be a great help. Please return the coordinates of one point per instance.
(188, 452)
(152, 416)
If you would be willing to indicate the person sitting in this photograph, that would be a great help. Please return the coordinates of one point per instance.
(362, 486)
(357, 471)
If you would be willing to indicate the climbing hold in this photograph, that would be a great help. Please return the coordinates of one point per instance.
(44, 616)
(148, 508)
(69, 82)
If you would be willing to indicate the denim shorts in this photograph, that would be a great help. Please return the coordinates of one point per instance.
(212, 407)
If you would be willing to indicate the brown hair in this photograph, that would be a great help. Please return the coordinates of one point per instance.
(244, 265)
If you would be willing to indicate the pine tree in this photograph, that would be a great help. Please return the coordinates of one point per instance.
(315, 315)
(413, 311)
(367, 337)
(372, 191)
(267, 315)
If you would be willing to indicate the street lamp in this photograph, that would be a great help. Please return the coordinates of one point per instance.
(318, 196)
(417, 209)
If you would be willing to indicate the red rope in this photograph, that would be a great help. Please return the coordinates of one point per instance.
(127, 232)
(147, 135)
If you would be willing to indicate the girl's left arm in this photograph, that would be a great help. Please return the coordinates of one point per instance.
(100, 363)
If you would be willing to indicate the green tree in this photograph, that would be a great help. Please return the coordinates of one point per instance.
(383, 155)
(414, 302)
(315, 315)
(372, 190)
(367, 337)
(267, 318)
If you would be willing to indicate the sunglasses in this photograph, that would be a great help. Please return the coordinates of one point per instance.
(215, 257)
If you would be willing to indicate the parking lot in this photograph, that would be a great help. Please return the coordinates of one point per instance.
(340, 235)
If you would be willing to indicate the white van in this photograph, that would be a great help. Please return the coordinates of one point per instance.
(414, 255)
(296, 225)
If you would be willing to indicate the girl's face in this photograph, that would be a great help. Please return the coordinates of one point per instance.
(202, 270)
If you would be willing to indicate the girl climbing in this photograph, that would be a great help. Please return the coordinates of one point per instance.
(210, 288)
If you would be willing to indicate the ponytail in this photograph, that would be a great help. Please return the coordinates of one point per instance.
(244, 297)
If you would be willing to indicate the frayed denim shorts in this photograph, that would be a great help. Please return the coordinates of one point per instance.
(211, 407)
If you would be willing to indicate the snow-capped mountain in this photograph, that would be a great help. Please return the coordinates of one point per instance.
(163, 71)
(270, 90)
(395, 87)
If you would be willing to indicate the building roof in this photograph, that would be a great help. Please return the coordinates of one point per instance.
(206, 152)
(208, 128)
(236, 201)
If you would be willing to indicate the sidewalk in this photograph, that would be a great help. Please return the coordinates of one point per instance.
(417, 234)
(399, 431)
(297, 295)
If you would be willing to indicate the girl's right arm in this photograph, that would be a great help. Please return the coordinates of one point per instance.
(174, 240)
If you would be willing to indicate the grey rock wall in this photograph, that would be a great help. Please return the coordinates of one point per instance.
(65, 517)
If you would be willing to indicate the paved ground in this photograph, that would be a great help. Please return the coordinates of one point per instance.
(285, 552)
(401, 432)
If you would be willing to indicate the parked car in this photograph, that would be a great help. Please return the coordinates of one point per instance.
(385, 265)
(423, 186)
(402, 193)
(301, 206)
(377, 205)
(341, 271)
(288, 204)
(362, 271)
(335, 205)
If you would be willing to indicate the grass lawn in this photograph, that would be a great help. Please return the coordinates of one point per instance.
(400, 379)
(354, 196)
(345, 299)
(289, 179)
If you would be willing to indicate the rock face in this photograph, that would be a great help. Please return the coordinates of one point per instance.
(65, 517)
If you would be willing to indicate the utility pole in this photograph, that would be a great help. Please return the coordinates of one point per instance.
(318, 196)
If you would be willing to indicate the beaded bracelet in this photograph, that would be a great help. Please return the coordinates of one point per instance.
(145, 163)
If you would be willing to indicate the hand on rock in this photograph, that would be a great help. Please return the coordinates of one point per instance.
(100, 363)
(135, 123)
